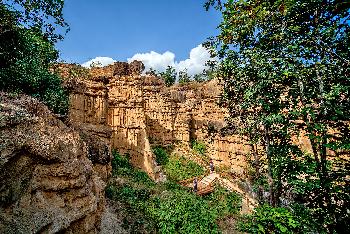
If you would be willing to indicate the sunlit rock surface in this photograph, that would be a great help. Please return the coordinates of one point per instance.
(47, 181)
(140, 110)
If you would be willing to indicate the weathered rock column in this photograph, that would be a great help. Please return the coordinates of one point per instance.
(88, 115)
(126, 116)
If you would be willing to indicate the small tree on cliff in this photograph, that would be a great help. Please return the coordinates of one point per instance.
(286, 70)
(169, 76)
(184, 77)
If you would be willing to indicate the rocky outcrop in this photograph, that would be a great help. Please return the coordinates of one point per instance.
(109, 101)
(47, 181)
(188, 112)
(141, 110)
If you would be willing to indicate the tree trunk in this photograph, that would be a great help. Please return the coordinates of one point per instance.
(269, 160)
(257, 168)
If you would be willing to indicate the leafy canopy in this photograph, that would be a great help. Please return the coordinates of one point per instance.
(285, 69)
(26, 53)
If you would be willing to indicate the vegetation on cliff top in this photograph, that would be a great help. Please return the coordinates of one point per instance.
(285, 69)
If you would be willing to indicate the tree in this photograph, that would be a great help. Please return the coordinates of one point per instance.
(184, 77)
(285, 70)
(169, 76)
(26, 53)
(152, 72)
(41, 15)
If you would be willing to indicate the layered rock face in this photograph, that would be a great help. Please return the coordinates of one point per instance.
(141, 109)
(127, 118)
(110, 101)
(191, 112)
(48, 183)
(88, 115)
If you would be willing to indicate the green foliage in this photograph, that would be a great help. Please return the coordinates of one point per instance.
(121, 166)
(285, 71)
(184, 77)
(167, 207)
(179, 168)
(267, 219)
(169, 76)
(39, 15)
(198, 147)
(162, 157)
(25, 59)
(224, 202)
(183, 212)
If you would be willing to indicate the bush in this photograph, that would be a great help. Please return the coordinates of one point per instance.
(162, 156)
(179, 168)
(198, 147)
(121, 164)
(142, 177)
(183, 212)
(225, 202)
(267, 219)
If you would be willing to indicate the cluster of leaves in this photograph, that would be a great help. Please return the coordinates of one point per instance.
(26, 56)
(198, 147)
(162, 157)
(121, 166)
(179, 168)
(168, 207)
(43, 15)
(267, 219)
(285, 71)
(170, 75)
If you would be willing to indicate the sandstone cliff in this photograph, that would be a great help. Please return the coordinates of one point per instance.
(140, 109)
(48, 183)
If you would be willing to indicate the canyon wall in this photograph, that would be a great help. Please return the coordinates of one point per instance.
(182, 113)
(140, 110)
(132, 111)
(110, 101)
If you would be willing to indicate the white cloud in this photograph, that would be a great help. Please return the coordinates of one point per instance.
(100, 61)
(194, 64)
(155, 60)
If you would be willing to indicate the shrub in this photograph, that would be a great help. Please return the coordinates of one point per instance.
(267, 219)
(183, 212)
(179, 168)
(198, 147)
(169, 76)
(142, 177)
(225, 202)
(162, 156)
(121, 164)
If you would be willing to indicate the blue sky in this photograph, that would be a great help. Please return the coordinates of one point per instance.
(119, 29)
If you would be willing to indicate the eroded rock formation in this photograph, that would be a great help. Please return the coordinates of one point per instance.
(191, 112)
(140, 109)
(47, 181)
